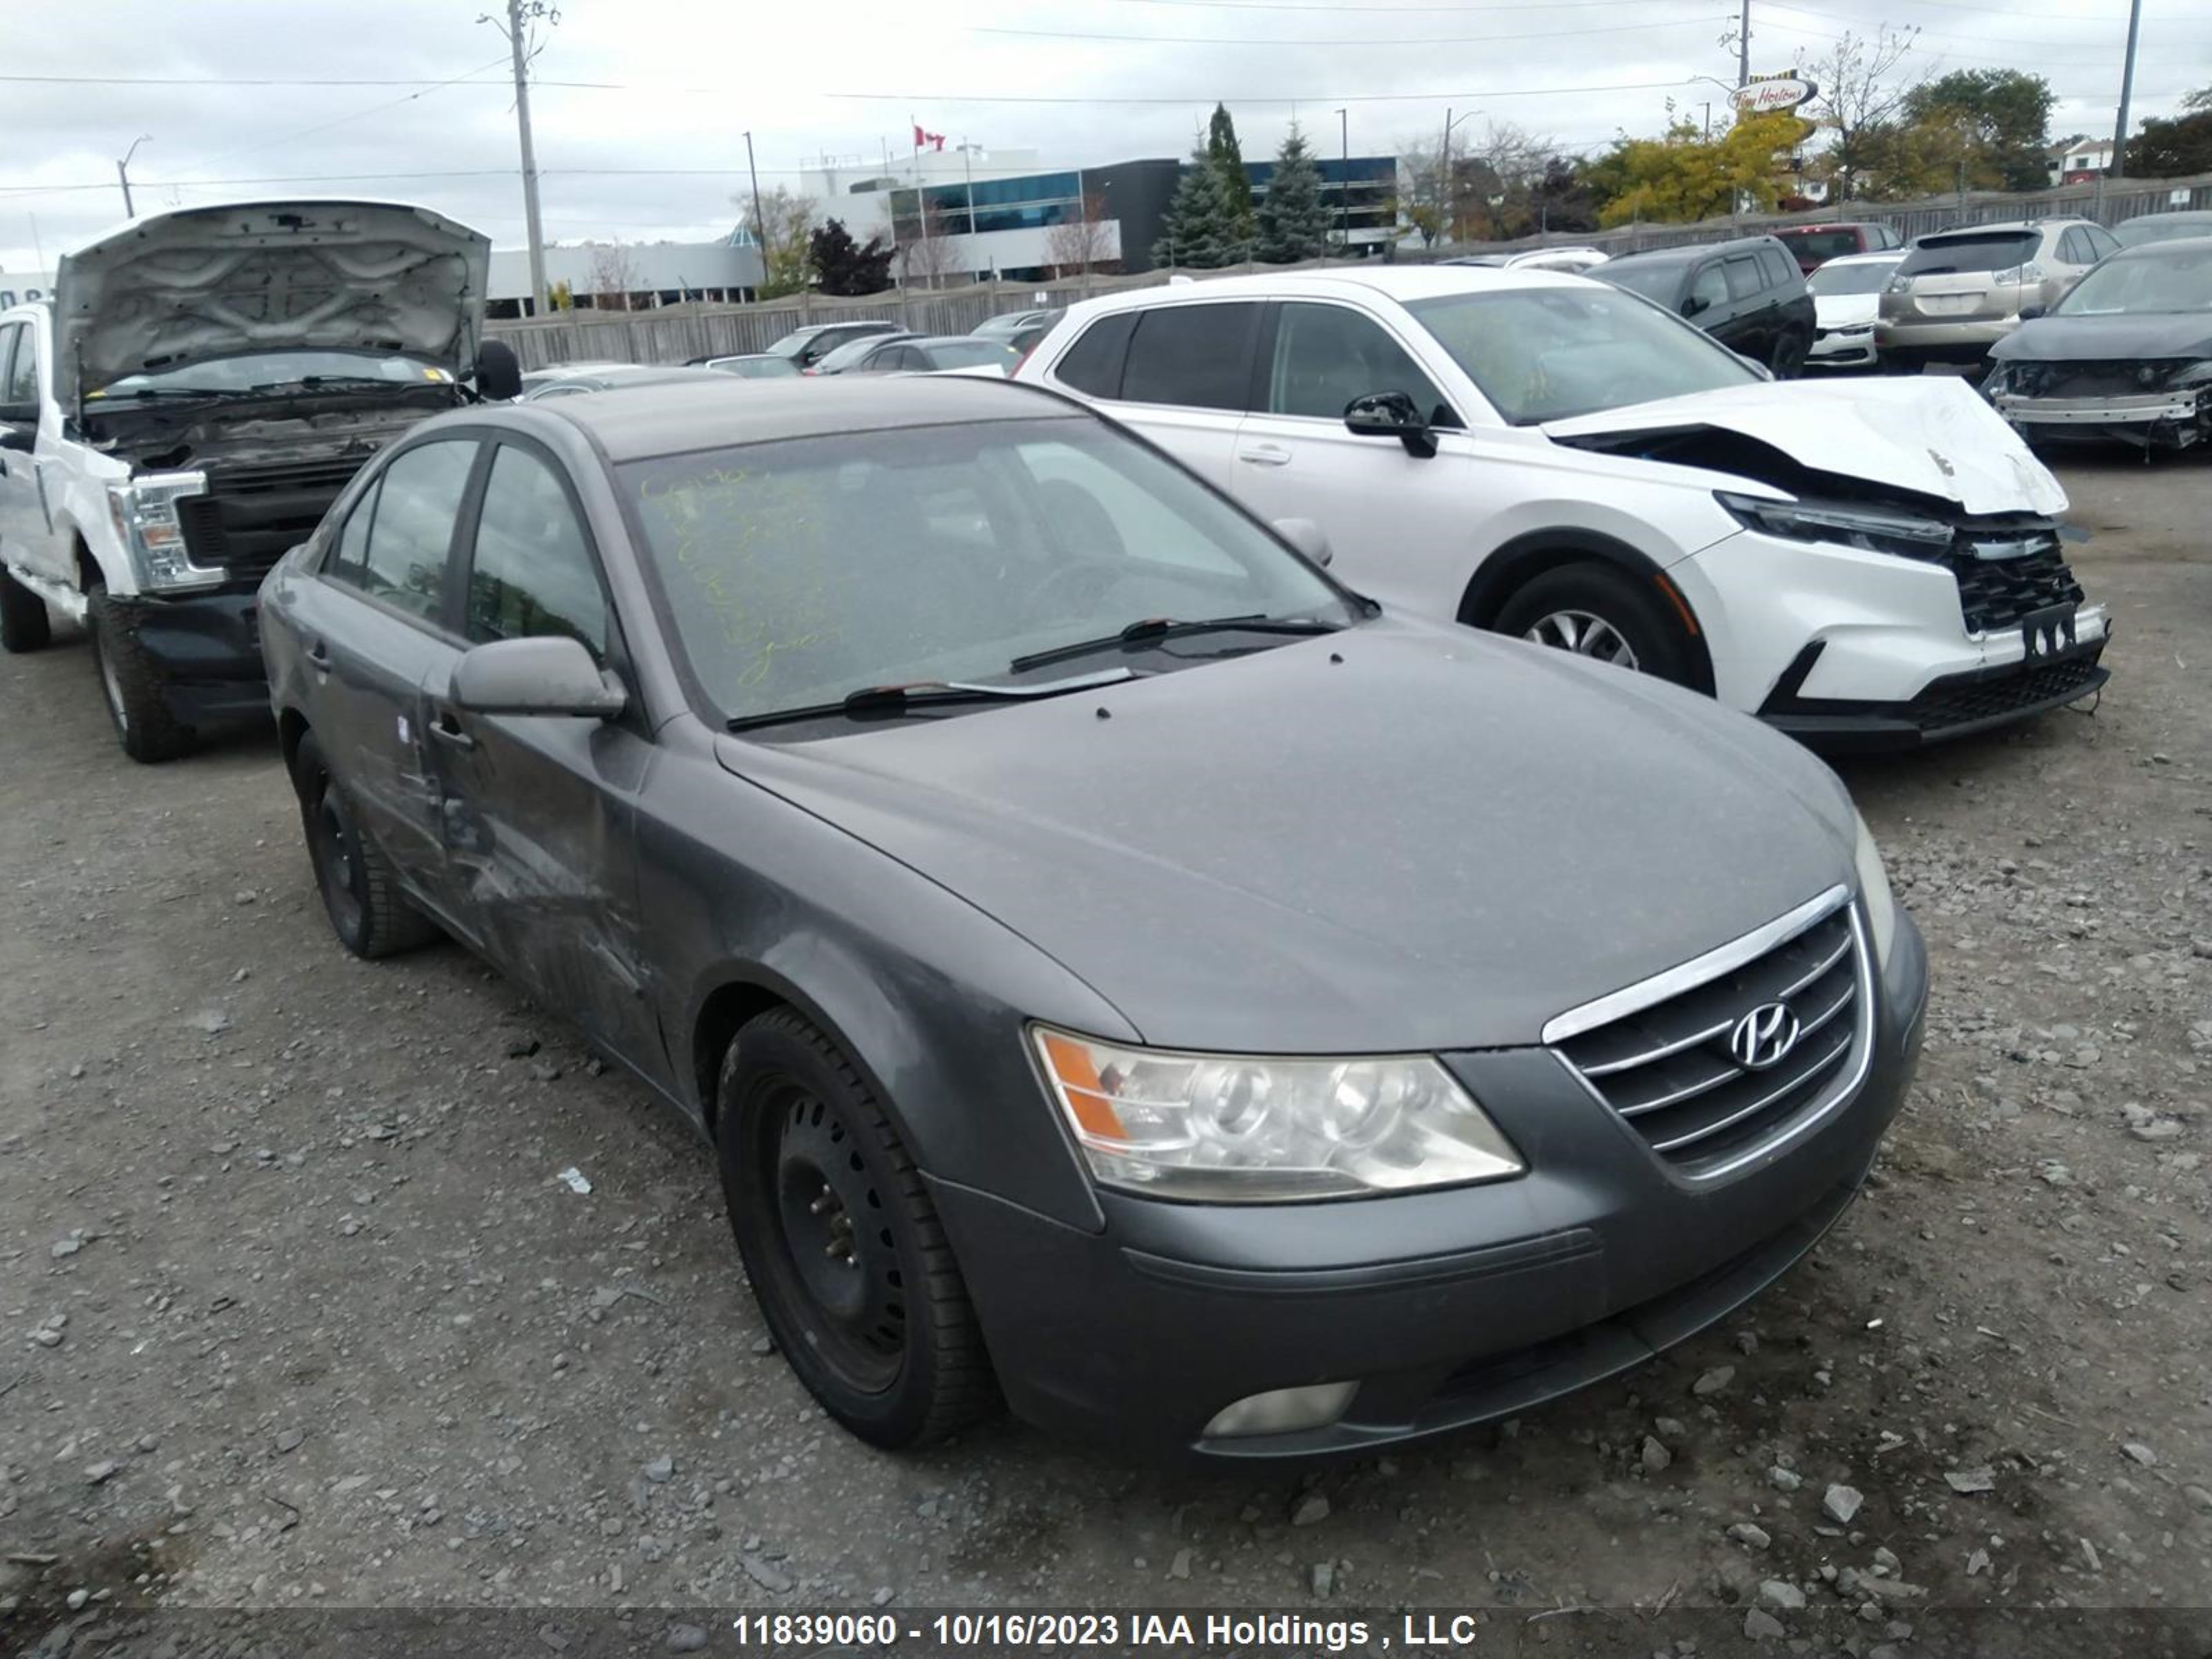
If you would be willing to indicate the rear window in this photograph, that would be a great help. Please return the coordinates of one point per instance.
(970, 354)
(1197, 356)
(1658, 281)
(1820, 244)
(1996, 250)
(1093, 363)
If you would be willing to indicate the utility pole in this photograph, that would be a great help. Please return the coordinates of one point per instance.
(2119, 167)
(1344, 184)
(967, 167)
(123, 172)
(760, 220)
(520, 14)
(1743, 47)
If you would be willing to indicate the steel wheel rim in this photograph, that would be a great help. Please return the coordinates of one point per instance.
(1583, 634)
(336, 867)
(834, 1248)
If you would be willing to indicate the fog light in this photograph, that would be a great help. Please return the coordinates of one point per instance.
(1283, 1410)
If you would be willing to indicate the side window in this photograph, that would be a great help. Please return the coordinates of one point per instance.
(347, 558)
(417, 505)
(1197, 356)
(906, 357)
(1093, 363)
(2073, 248)
(533, 572)
(1708, 286)
(1741, 271)
(1781, 269)
(2101, 243)
(23, 368)
(1326, 356)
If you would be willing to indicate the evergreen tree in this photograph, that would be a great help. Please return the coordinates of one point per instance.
(1228, 158)
(1202, 232)
(841, 265)
(1293, 222)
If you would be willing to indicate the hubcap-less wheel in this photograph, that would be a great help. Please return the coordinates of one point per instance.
(837, 1243)
(335, 864)
(1583, 634)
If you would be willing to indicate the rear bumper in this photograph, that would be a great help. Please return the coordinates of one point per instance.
(207, 649)
(1952, 706)
(1445, 1308)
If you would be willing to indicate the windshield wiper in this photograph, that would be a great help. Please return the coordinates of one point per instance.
(107, 397)
(930, 693)
(1163, 628)
(316, 382)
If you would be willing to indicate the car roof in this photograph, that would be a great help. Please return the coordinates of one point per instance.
(1825, 224)
(2171, 216)
(1400, 283)
(2188, 247)
(2012, 227)
(941, 340)
(715, 411)
(1690, 250)
(1880, 256)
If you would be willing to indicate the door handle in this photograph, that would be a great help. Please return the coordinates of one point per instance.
(1264, 454)
(447, 730)
(316, 654)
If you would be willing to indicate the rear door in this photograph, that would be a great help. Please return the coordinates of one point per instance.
(536, 814)
(373, 628)
(1184, 378)
(1749, 324)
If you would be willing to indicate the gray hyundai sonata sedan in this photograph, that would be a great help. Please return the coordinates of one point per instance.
(1118, 969)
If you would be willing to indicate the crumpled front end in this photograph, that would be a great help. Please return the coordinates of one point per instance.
(2155, 403)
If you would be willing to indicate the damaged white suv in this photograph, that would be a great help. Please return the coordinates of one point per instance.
(1870, 563)
(201, 385)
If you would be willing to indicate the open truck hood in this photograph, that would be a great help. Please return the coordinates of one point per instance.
(177, 288)
(1932, 436)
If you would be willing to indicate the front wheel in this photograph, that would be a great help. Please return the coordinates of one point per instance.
(846, 1255)
(1601, 612)
(145, 724)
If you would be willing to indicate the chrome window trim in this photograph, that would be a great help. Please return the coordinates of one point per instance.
(1687, 976)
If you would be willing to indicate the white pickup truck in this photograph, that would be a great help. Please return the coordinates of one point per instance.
(198, 389)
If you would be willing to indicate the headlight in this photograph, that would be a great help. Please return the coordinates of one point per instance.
(1873, 529)
(1856, 328)
(1880, 903)
(144, 513)
(1236, 1128)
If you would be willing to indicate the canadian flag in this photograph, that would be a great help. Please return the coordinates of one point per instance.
(935, 140)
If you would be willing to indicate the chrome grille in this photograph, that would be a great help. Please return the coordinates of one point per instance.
(1665, 1057)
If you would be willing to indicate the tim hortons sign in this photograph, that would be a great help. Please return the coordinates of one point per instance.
(1764, 94)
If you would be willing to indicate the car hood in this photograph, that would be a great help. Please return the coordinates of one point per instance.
(1407, 836)
(177, 288)
(1839, 310)
(2164, 335)
(1934, 437)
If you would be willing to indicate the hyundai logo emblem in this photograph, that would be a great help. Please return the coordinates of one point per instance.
(1763, 1036)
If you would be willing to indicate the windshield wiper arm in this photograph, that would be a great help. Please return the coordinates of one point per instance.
(1162, 628)
(924, 694)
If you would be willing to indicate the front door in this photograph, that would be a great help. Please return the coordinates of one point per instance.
(536, 814)
(27, 535)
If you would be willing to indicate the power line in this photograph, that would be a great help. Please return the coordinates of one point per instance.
(1438, 40)
(256, 148)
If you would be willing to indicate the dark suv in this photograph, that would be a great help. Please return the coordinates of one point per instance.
(806, 347)
(1813, 245)
(1748, 295)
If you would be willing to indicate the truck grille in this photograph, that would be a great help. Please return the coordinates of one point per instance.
(1997, 592)
(252, 516)
(1702, 1073)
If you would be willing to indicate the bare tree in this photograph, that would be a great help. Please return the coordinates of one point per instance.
(1082, 243)
(787, 219)
(927, 253)
(1859, 97)
(1485, 190)
(614, 277)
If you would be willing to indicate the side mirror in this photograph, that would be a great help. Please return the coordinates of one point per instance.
(499, 372)
(1309, 538)
(1695, 304)
(18, 436)
(549, 674)
(1391, 415)
(2029, 313)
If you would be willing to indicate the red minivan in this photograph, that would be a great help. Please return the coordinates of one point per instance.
(1813, 245)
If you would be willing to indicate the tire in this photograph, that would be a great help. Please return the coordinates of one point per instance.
(1890, 363)
(874, 1318)
(1601, 611)
(1789, 354)
(361, 893)
(24, 624)
(131, 688)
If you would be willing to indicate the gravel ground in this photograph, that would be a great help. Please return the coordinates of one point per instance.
(295, 1311)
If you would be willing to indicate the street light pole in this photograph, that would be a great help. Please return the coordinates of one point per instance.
(1444, 193)
(760, 218)
(123, 172)
(1743, 47)
(2119, 167)
(1344, 184)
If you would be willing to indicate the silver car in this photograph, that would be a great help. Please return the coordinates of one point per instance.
(1958, 292)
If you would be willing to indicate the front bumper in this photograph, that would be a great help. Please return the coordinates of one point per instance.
(207, 649)
(2165, 420)
(1448, 1308)
(1833, 349)
(1954, 706)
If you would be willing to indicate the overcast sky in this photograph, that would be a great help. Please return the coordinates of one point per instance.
(655, 151)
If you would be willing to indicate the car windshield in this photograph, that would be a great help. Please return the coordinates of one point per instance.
(794, 343)
(1869, 278)
(971, 354)
(224, 376)
(756, 369)
(2174, 278)
(1656, 279)
(2163, 227)
(795, 572)
(1543, 354)
(1998, 250)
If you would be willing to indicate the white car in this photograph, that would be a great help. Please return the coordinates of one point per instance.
(1846, 300)
(1577, 259)
(1865, 562)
